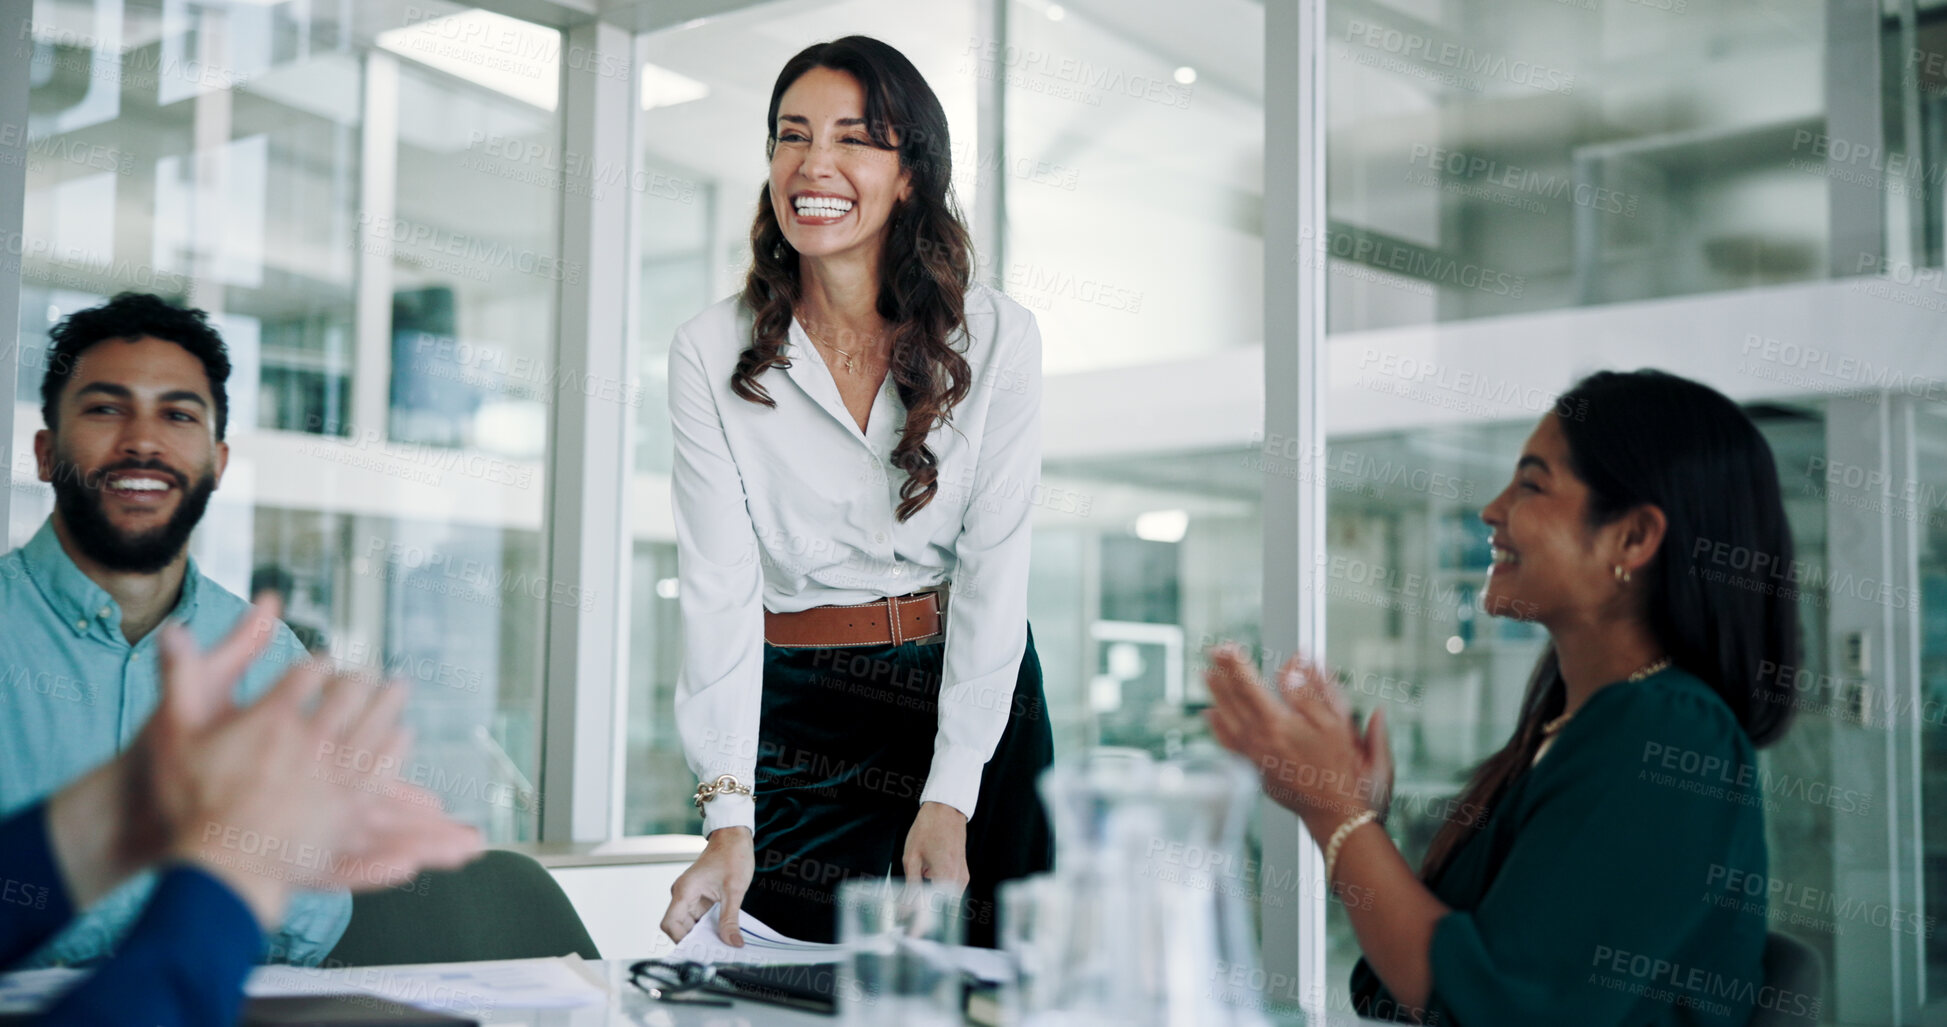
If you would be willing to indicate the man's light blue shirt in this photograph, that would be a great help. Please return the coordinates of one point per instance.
(74, 692)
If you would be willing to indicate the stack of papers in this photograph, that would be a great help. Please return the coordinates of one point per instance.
(470, 989)
(764, 946)
(31, 991)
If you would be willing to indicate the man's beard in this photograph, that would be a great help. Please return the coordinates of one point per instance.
(78, 497)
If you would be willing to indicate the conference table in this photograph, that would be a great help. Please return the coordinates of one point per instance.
(629, 1006)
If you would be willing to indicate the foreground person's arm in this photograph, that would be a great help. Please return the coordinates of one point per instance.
(201, 775)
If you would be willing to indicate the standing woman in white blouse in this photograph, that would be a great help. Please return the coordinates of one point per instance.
(858, 436)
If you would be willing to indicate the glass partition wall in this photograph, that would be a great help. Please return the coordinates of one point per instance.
(1521, 194)
(314, 176)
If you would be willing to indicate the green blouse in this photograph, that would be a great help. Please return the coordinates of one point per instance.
(1610, 884)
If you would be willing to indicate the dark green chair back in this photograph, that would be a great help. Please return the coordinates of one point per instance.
(501, 906)
(1796, 975)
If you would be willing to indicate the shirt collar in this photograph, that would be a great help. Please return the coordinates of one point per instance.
(75, 596)
(807, 367)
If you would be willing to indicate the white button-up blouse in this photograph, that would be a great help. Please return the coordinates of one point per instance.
(792, 507)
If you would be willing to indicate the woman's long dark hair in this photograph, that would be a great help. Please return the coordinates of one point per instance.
(1647, 437)
(924, 269)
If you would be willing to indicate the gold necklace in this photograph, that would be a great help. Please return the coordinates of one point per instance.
(850, 364)
(1548, 730)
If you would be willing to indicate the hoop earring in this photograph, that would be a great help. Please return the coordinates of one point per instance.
(1622, 576)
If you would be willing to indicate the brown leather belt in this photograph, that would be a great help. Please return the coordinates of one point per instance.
(890, 621)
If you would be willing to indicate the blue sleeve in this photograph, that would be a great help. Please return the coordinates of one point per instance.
(313, 923)
(183, 963)
(33, 898)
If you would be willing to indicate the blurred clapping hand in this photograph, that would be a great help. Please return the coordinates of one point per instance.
(298, 790)
(1305, 742)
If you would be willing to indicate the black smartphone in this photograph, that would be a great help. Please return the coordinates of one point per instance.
(347, 1010)
(811, 987)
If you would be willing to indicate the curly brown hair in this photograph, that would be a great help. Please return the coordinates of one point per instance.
(924, 270)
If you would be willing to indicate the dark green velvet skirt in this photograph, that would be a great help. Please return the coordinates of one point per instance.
(844, 748)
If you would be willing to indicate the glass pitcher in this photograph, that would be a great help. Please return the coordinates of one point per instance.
(1147, 914)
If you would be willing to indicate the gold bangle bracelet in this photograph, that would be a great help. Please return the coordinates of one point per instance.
(1338, 838)
(725, 784)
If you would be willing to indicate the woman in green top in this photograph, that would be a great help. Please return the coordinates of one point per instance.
(1586, 874)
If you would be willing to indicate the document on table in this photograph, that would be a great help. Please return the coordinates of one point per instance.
(764, 946)
(467, 988)
(31, 991)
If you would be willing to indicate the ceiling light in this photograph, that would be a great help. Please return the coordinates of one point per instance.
(662, 87)
(507, 55)
(1163, 525)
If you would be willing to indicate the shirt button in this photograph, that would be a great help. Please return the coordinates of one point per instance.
(878, 536)
(104, 612)
(81, 625)
(899, 572)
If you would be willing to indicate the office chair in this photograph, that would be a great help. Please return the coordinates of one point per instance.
(503, 905)
(1794, 969)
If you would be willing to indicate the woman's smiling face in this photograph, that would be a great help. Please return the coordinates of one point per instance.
(1548, 560)
(833, 190)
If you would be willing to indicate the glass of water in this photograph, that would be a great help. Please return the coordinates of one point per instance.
(900, 968)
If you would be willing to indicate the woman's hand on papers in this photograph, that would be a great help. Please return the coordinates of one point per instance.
(936, 847)
(721, 875)
(1307, 748)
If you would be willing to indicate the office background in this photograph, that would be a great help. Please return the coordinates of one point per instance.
(448, 246)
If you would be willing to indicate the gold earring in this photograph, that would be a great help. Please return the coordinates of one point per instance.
(1621, 575)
